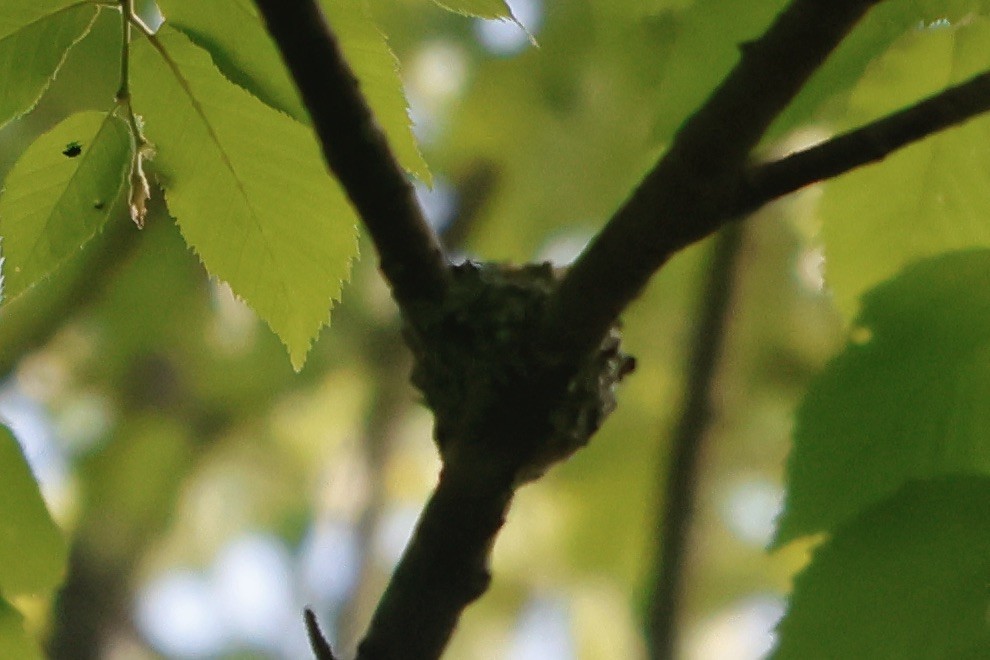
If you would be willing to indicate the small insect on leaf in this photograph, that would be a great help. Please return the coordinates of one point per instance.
(72, 149)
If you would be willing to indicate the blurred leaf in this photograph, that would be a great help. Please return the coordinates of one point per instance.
(134, 481)
(248, 187)
(906, 579)
(928, 198)
(909, 401)
(705, 50)
(32, 549)
(709, 32)
(32, 48)
(479, 8)
(827, 93)
(59, 194)
(564, 126)
(249, 58)
(14, 641)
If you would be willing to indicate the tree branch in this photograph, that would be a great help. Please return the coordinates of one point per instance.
(865, 145)
(684, 198)
(677, 503)
(358, 153)
(443, 569)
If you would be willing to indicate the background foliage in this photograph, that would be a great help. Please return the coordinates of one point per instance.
(208, 492)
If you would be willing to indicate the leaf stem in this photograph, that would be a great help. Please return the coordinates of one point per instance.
(126, 10)
(140, 190)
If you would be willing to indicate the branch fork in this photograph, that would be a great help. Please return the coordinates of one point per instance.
(520, 367)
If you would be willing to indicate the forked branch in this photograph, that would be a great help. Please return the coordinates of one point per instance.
(867, 144)
(500, 426)
(688, 194)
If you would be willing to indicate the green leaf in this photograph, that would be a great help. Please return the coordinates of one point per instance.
(907, 399)
(14, 641)
(59, 194)
(928, 198)
(248, 187)
(32, 549)
(906, 579)
(233, 33)
(15, 15)
(480, 8)
(31, 53)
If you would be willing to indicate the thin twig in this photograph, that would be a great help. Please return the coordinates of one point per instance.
(868, 144)
(357, 151)
(678, 496)
(319, 644)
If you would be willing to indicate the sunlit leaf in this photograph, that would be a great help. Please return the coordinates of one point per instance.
(249, 58)
(59, 194)
(907, 578)
(14, 641)
(32, 549)
(248, 187)
(246, 55)
(32, 52)
(928, 198)
(906, 400)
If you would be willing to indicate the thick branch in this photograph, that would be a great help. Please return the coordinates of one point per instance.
(358, 152)
(865, 145)
(678, 497)
(684, 197)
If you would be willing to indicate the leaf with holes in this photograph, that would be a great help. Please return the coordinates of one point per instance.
(248, 187)
(59, 195)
